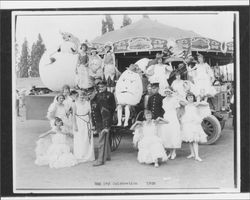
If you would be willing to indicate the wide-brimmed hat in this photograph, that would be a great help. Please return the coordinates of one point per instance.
(191, 60)
(102, 82)
(93, 49)
(84, 44)
(168, 89)
(155, 84)
(109, 44)
(199, 55)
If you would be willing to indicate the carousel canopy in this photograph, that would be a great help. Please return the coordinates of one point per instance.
(143, 35)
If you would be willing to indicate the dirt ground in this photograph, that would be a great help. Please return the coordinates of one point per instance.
(123, 171)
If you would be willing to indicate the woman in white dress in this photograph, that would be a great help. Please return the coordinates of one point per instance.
(95, 64)
(59, 109)
(52, 148)
(170, 133)
(178, 86)
(159, 73)
(83, 78)
(83, 137)
(203, 79)
(150, 146)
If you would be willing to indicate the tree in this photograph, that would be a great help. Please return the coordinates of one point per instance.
(107, 24)
(24, 62)
(110, 23)
(104, 27)
(16, 60)
(37, 51)
(126, 20)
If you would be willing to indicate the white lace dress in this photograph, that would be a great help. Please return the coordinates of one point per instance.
(149, 144)
(54, 150)
(192, 130)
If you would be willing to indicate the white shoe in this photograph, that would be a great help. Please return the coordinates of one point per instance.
(119, 124)
(190, 156)
(173, 156)
(125, 124)
(156, 164)
(198, 159)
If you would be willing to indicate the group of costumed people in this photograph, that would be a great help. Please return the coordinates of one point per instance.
(173, 113)
(92, 67)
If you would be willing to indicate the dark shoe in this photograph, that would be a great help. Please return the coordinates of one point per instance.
(108, 159)
(98, 164)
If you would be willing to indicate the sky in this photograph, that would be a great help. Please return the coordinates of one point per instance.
(88, 26)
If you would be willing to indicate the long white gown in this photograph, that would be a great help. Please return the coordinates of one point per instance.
(54, 150)
(149, 144)
(83, 138)
(191, 125)
(170, 133)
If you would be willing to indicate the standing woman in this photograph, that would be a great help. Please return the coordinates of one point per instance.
(159, 73)
(83, 137)
(178, 86)
(95, 64)
(171, 133)
(109, 68)
(59, 109)
(203, 79)
(83, 79)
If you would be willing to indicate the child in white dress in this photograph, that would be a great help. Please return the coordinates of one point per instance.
(151, 149)
(192, 131)
(52, 148)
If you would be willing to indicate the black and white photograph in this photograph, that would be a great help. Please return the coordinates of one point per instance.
(125, 101)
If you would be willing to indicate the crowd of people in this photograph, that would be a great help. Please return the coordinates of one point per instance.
(173, 112)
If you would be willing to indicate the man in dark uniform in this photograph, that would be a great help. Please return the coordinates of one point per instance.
(155, 102)
(102, 109)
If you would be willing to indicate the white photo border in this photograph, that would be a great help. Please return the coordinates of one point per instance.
(126, 191)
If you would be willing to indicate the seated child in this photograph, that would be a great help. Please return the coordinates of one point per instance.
(52, 148)
(151, 149)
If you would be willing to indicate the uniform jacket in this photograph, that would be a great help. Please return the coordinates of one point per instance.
(155, 105)
(102, 109)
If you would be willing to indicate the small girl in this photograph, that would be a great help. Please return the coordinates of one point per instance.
(150, 146)
(192, 131)
(52, 148)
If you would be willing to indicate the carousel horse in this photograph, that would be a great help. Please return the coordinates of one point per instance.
(58, 68)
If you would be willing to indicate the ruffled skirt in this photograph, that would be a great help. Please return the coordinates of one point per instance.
(151, 149)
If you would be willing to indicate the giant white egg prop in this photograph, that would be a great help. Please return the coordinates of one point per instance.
(55, 75)
(129, 88)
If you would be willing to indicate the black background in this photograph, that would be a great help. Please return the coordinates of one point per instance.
(6, 91)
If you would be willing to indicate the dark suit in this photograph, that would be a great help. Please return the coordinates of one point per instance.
(102, 108)
(155, 105)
